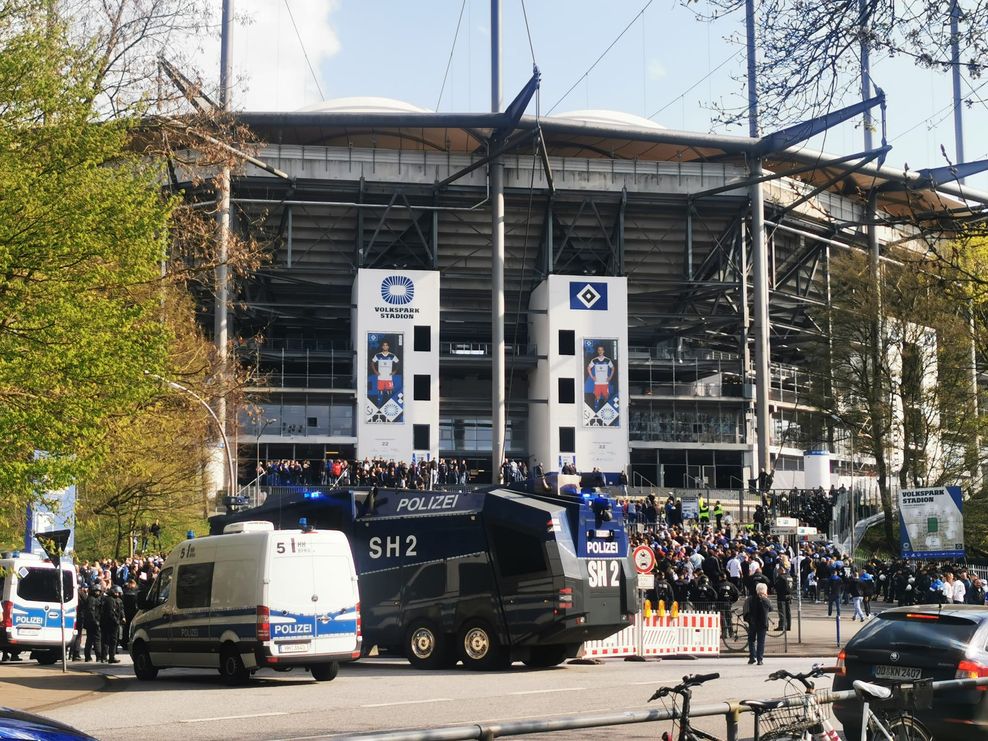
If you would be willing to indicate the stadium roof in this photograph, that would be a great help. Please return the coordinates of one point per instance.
(390, 124)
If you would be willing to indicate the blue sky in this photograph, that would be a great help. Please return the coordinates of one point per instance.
(667, 62)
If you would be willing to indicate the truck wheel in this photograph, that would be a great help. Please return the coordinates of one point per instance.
(542, 657)
(479, 648)
(232, 667)
(144, 670)
(426, 647)
(325, 672)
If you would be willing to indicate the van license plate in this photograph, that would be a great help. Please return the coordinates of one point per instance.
(898, 672)
(293, 648)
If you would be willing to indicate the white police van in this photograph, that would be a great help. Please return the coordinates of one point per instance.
(29, 596)
(251, 598)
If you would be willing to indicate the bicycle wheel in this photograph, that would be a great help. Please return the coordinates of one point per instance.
(901, 728)
(735, 636)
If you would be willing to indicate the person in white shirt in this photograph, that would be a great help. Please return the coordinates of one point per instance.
(958, 591)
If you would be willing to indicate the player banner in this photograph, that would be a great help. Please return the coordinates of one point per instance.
(600, 387)
(931, 522)
(385, 395)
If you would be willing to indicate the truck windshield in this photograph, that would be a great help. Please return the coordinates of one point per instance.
(41, 585)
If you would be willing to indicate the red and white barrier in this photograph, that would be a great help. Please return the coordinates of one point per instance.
(689, 633)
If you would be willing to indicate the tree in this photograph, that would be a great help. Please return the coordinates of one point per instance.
(809, 51)
(83, 227)
(908, 399)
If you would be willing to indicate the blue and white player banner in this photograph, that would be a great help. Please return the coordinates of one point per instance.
(587, 295)
(600, 383)
(385, 392)
(931, 522)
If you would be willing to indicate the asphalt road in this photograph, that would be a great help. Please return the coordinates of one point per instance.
(387, 694)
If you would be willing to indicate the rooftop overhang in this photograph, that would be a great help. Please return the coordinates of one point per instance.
(901, 193)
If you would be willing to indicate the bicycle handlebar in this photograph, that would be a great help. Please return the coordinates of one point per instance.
(690, 680)
(817, 671)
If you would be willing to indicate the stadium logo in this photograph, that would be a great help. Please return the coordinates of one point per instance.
(588, 296)
(397, 290)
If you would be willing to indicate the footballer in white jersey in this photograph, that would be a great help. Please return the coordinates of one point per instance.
(385, 364)
(601, 371)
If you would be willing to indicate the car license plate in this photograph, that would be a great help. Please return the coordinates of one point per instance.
(898, 672)
(293, 648)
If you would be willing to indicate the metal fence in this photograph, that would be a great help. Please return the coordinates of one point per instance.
(730, 710)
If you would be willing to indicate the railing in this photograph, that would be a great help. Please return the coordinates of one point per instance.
(731, 710)
(692, 390)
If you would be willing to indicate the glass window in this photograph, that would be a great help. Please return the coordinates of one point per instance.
(420, 437)
(422, 387)
(163, 587)
(567, 439)
(41, 585)
(518, 553)
(195, 584)
(567, 342)
(567, 391)
(422, 339)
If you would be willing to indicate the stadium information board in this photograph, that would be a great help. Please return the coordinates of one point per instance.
(931, 522)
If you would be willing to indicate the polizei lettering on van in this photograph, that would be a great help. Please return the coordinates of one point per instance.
(603, 547)
(427, 504)
(291, 629)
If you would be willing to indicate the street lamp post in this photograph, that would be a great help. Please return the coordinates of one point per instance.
(231, 472)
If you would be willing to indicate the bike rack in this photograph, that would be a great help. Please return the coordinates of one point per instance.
(730, 710)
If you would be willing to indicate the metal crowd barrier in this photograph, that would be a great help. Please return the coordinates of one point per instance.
(731, 711)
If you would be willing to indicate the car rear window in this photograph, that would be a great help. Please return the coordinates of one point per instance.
(41, 585)
(943, 632)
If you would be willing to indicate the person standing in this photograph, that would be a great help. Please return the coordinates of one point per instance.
(92, 611)
(783, 593)
(756, 611)
(718, 514)
(111, 618)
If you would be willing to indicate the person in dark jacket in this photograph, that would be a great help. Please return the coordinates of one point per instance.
(130, 595)
(111, 618)
(91, 611)
(76, 646)
(756, 610)
(783, 593)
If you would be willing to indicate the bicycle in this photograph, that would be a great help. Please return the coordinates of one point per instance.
(734, 630)
(685, 691)
(809, 721)
(894, 720)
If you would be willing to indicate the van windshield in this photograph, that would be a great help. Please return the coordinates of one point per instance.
(41, 585)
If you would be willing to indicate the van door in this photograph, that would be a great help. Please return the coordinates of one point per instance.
(190, 639)
(311, 598)
(36, 614)
(157, 620)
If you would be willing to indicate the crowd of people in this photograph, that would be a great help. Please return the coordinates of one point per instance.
(703, 566)
(416, 474)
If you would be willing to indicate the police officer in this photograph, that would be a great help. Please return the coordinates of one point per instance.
(783, 594)
(704, 510)
(91, 613)
(718, 513)
(111, 618)
(76, 644)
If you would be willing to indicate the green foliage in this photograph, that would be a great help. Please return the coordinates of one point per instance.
(83, 227)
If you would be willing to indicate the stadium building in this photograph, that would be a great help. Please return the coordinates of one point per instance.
(630, 307)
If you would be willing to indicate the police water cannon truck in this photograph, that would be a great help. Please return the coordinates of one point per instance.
(484, 577)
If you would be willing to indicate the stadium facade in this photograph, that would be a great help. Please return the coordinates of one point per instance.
(628, 291)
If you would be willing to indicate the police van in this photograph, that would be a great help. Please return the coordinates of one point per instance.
(480, 577)
(29, 596)
(251, 598)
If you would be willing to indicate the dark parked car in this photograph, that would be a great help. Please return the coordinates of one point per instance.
(922, 642)
(16, 724)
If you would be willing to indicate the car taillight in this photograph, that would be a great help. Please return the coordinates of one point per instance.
(972, 670)
(359, 624)
(8, 614)
(565, 598)
(841, 666)
(263, 623)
